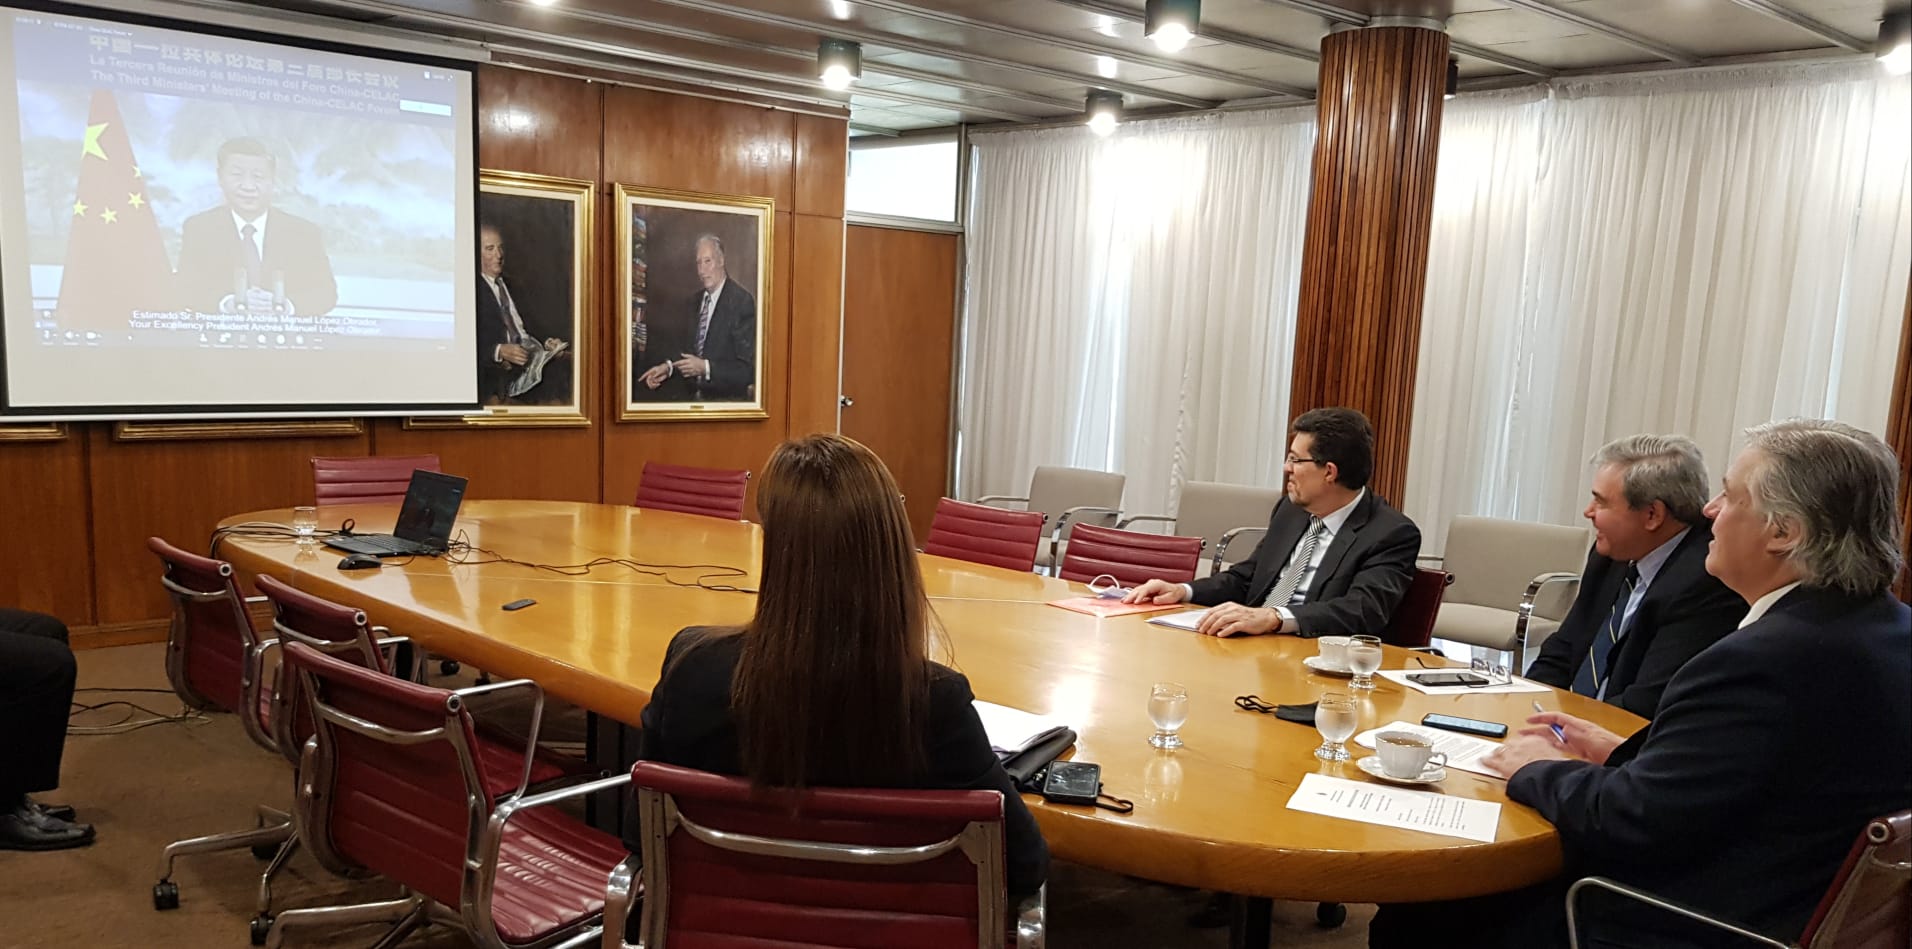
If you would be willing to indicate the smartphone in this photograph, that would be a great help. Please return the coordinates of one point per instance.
(1471, 726)
(1437, 679)
(1072, 782)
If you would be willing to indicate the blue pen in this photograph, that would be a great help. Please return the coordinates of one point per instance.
(1560, 735)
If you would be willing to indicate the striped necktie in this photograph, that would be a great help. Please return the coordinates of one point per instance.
(1284, 589)
(1591, 680)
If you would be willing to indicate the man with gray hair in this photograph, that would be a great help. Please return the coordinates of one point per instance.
(1774, 747)
(1646, 603)
(722, 363)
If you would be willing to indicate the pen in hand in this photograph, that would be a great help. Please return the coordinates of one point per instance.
(1560, 735)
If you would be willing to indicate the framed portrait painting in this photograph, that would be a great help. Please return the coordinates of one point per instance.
(693, 279)
(534, 292)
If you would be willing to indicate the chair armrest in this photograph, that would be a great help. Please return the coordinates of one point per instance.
(1433, 559)
(1228, 537)
(992, 498)
(1526, 609)
(252, 674)
(620, 894)
(1151, 518)
(389, 645)
(1032, 919)
(1582, 884)
(531, 734)
(1062, 524)
(485, 860)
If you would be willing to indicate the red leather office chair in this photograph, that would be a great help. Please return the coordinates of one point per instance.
(214, 660)
(366, 480)
(1131, 557)
(394, 761)
(1414, 617)
(986, 535)
(712, 492)
(1868, 906)
(724, 864)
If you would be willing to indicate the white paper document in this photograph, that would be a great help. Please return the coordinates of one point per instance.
(1463, 751)
(1187, 619)
(1012, 729)
(1516, 684)
(1396, 807)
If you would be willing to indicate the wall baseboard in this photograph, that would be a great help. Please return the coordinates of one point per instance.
(119, 634)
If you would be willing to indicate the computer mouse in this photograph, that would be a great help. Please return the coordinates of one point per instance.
(359, 562)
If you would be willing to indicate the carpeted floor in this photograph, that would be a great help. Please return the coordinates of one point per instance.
(145, 788)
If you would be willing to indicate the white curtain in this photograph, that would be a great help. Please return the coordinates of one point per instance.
(1688, 253)
(1131, 302)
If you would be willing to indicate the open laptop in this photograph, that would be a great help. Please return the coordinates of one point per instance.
(424, 522)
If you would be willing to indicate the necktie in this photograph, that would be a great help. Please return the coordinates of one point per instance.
(1591, 680)
(703, 322)
(1284, 589)
(504, 310)
(250, 234)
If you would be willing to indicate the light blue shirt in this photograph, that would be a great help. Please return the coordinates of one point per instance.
(1649, 567)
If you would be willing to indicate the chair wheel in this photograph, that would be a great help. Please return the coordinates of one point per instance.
(265, 851)
(447, 667)
(165, 895)
(1330, 915)
(261, 928)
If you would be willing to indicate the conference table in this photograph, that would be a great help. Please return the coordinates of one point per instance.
(1212, 814)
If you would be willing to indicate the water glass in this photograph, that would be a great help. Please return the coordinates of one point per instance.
(1168, 709)
(305, 525)
(1336, 720)
(1364, 657)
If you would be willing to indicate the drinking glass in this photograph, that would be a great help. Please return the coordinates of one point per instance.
(1364, 657)
(1168, 709)
(305, 525)
(1336, 720)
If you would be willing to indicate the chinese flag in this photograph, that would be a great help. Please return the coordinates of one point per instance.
(115, 260)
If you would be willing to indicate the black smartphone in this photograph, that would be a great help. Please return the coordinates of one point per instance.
(1072, 782)
(1471, 726)
(1438, 679)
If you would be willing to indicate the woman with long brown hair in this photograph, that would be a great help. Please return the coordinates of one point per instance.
(829, 684)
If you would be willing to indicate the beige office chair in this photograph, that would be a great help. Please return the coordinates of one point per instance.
(1219, 513)
(1069, 496)
(1513, 583)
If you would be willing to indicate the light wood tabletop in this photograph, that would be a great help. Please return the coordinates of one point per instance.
(1212, 814)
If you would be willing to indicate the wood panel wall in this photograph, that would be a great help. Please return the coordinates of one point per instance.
(1364, 259)
(83, 505)
(1899, 435)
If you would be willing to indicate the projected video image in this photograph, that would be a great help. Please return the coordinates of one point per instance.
(195, 190)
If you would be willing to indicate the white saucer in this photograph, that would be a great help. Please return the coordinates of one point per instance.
(1316, 663)
(1434, 773)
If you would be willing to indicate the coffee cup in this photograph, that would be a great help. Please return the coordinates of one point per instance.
(1406, 755)
(1334, 651)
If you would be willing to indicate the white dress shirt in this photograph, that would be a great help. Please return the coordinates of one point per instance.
(1333, 524)
(258, 230)
(1764, 603)
(510, 306)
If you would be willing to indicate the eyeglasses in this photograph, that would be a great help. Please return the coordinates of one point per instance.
(1292, 459)
(1254, 703)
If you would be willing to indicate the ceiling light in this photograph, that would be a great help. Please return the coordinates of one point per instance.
(1453, 79)
(544, 3)
(1171, 23)
(1105, 25)
(839, 63)
(1106, 66)
(840, 9)
(1104, 109)
(1895, 42)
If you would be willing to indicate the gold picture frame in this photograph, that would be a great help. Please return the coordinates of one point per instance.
(531, 216)
(688, 348)
(33, 432)
(211, 431)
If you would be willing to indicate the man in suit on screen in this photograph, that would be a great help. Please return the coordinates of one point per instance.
(505, 346)
(722, 365)
(246, 256)
(1336, 559)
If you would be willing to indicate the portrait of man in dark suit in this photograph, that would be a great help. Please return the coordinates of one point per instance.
(719, 357)
(515, 363)
(247, 256)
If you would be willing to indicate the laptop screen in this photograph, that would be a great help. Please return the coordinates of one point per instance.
(431, 505)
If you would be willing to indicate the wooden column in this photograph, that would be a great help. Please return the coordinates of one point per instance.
(1898, 432)
(1364, 263)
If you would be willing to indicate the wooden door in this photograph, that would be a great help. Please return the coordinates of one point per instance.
(899, 329)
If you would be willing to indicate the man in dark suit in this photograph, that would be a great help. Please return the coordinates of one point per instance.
(505, 346)
(1772, 749)
(722, 365)
(36, 694)
(1646, 603)
(246, 256)
(1336, 559)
